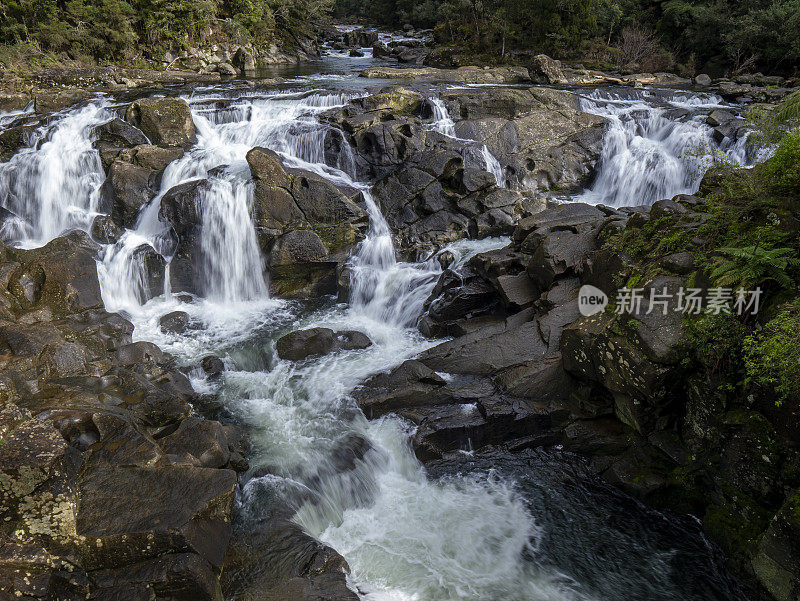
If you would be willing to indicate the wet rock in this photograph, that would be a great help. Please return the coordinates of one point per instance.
(302, 344)
(62, 275)
(184, 575)
(105, 230)
(202, 439)
(153, 267)
(280, 561)
(213, 366)
(181, 205)
(299, 246)
(187, 507)
(138, 353)
(119, 134)
(126, 190)
(165, 121)
(176, 322)
(540, 136)
(12, 227)
(15, 138)
(719, 117)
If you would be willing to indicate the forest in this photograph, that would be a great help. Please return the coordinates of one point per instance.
(715, 36)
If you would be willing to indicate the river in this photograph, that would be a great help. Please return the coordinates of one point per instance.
(533, 526)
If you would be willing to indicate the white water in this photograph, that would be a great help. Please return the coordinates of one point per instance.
(404, 537)
(648, 155)
(52, 185)
(443, 123)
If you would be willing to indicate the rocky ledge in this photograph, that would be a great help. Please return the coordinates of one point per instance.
(110, 481)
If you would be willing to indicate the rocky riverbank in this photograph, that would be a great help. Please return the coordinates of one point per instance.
(113, 481)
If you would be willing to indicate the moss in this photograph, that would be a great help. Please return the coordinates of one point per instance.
(772, 354)
(733, 530)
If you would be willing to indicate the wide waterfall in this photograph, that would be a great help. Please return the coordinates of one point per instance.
(52, 185)
(656, 146)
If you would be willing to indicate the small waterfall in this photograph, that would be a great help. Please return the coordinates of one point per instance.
(444, 124)
(233, 269)
(493, 166)
(649, 154)
(53, 184)
(441, 121)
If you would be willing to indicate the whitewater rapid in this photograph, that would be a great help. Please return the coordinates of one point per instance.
(405, 536)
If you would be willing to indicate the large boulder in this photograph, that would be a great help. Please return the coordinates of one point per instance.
(126, 190)
(314, 342)
(165, 121)
(540, 135)
(546, 70)
(305, 223)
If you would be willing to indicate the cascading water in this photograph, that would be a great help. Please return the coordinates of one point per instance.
(53, 184)
(481, 535)
(650, 153)
(443, 123)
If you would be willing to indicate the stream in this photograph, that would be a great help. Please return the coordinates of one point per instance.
(485, 526)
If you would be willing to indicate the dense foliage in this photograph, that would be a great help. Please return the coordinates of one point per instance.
(114, 29)
(712, 35)
(749, 241)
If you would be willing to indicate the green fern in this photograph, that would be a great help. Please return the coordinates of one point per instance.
(752, 265)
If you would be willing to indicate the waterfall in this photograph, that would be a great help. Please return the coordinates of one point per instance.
(443, 123)
(404, 535)
(230, 264)
(648, 153)
(493, 166)
(53, 184)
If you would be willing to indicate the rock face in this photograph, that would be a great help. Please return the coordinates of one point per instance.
(305, 224)
(434, 189)
(539, 135)
(110, 488)
(302, 344)
(165, 121)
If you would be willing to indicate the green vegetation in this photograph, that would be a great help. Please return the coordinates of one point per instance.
(772, 354)
(130, 29)
(715, 36)
(750, 240)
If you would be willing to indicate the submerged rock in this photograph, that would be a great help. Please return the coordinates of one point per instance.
(176, 322)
